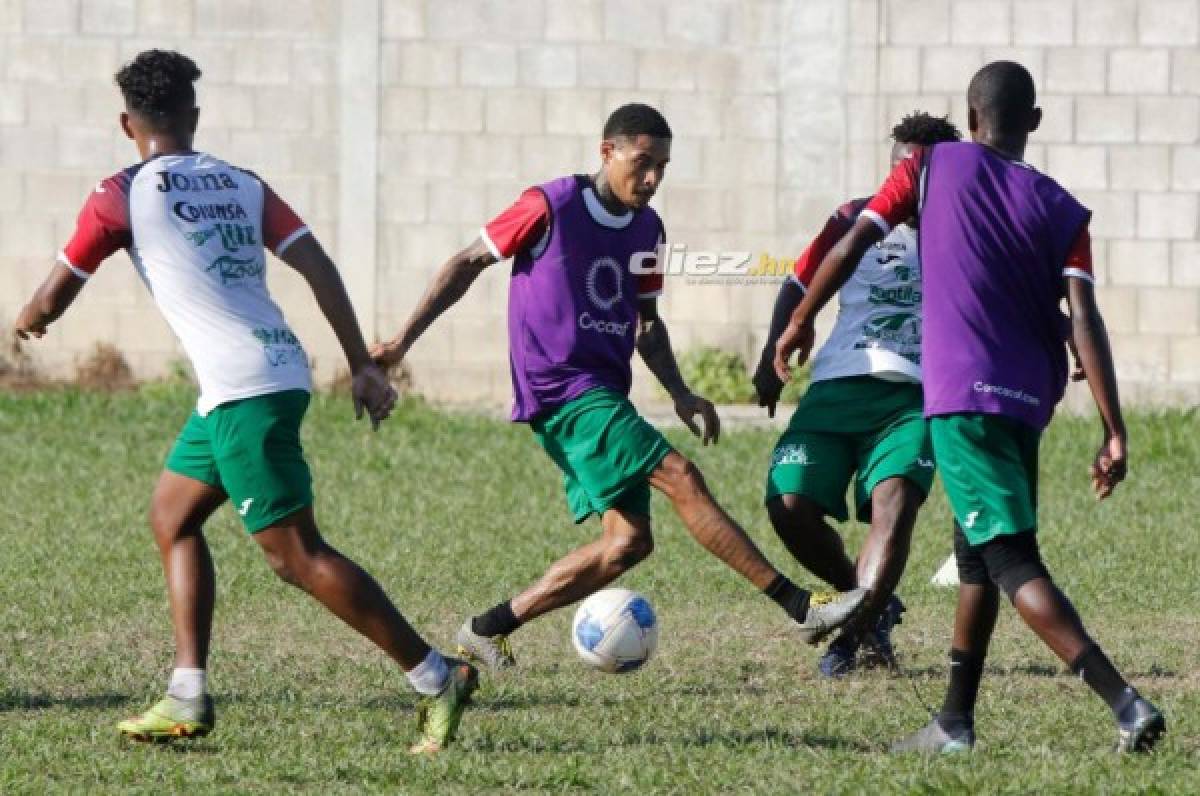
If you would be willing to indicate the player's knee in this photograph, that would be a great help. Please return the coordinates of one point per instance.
(291, 565)
(894, 503)
(793, 514)
(687, 481)
(628, 551)
(1012, 561)
(165, 523)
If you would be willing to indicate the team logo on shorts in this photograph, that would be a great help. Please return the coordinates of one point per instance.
(790, 454)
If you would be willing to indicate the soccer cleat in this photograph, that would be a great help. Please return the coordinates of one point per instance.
(494, 652)
(932, 739)
(171, 718)
(838, 660)
(1140, 727)
(438, 716)
(827, 611)
(877, 646)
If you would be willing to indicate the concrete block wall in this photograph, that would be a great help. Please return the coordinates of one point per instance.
(398, 127)
(483, 99)
(268, 102)
(1119, 83)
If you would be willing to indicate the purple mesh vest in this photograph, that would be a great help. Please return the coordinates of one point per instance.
(572, 303)
(994, 237)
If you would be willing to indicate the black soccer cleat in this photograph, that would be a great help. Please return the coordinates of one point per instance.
(1139, 727)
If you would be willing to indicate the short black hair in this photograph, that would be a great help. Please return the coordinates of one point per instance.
(925, 129)
(636, 119)
(1002, 94)
(157, 85)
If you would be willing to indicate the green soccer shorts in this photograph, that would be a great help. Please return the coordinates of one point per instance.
(989, 467)
(606, 451)
(857, 428)
(250, 449)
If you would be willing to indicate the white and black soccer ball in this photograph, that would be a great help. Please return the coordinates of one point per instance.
(615, 630)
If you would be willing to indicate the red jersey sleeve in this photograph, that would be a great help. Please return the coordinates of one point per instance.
(1079, 258)
(835, 228)
(518, 228)
(650, 283)
(899, 198)
(280, 224)
(102, 228)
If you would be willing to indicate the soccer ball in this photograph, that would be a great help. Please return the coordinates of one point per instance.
(615, 630)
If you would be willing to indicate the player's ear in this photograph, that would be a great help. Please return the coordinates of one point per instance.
(606, 150)
(126, 126)
(972, 119)
(1035, 119)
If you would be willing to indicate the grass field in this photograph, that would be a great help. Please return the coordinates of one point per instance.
(451, 513)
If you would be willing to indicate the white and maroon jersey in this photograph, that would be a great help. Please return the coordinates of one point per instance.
(195, 228)
(878, 327)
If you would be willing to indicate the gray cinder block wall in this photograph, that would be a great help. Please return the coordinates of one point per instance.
(397, 128)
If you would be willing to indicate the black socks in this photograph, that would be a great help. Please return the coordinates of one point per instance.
(957, 714)
(498, 621)
(790, 597)
(1095, 669)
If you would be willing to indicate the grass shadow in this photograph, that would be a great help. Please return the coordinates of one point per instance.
(700, 739)
(772, 736)
(14, 700)
(1028, 670)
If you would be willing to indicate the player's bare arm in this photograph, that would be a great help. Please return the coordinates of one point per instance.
(449, 284)
(369, 385)
(654, 345)
(767, 384)
(49, 302)
(1089, 339)
(833, 272)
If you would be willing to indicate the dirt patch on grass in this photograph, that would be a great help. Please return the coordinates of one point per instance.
(17, 371)
(103, 370)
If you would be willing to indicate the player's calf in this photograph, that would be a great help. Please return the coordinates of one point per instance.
(800, 524)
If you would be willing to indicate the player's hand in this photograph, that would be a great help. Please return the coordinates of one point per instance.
(1110, 465)
(690, 405)
(372, 393)
(767, 385)
(29, 323)
(796, 339)
(387, 355)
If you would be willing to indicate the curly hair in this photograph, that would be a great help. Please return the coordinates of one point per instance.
(636, 119)
(157, 84)
(925, 129)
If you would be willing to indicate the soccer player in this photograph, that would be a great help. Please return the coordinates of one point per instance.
(582, 296)
(195, 228)
(1001, 245)
(861, 419)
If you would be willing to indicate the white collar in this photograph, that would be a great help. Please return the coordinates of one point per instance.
(601, 215)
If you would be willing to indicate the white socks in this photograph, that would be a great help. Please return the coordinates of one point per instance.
(187, 683)
(429, 676)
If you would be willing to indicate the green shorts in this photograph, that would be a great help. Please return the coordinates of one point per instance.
(250, 449)
(857, 427)
(990, 470)
(605, 450)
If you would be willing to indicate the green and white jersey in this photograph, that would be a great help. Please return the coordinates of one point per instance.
(878, 327)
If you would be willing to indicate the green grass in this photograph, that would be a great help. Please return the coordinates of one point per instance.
(452, 513)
